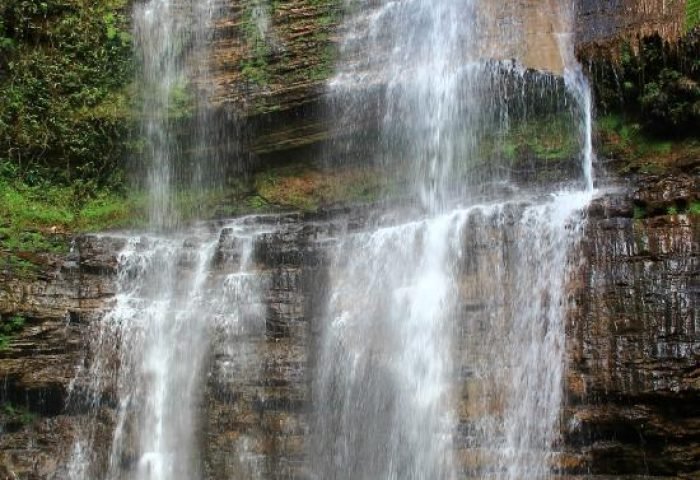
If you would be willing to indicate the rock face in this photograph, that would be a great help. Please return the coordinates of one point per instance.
(633, 349)
(270, 62)
(634, 339)
(603, 23)
(39, 362)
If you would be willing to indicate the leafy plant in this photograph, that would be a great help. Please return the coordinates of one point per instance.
(65, 66)
(656, 82)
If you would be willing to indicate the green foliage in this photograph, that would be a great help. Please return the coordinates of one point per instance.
(672, 210)
(181, 104)
(36, 218)
(255, 67)
(549, 137)
(9, 326)
(624, 138)
(694, 208)
(657, 83)
(65, 66)
(692, 14)
(17, 414)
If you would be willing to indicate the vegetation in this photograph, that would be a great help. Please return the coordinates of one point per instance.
(65, 74)
(35, 218)
(656, 84)
(65, 67)
(17, 415)
(306, 188)
(692, 18)
(641, 212)
(552, 137)
(9, 326)
(292, 49)
(625, 140)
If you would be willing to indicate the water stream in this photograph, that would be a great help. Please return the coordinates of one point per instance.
(439, 341)
(181, 299)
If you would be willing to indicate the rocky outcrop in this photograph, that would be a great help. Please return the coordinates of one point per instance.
(270, 61)
(634, 338)
(57, 303)
(633, 347)
(605, 25)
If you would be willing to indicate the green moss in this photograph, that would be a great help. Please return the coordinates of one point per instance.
(694, 208)
(624, 139)
(255, 67)
(308, 55)
(109, 211)
(551, 138)
(36, 218)
(302, 187)
(639, 212)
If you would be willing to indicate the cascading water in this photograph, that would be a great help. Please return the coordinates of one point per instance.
(176, 295)
(383, 393)
(429, 76)
(158, 30)
(171, 38)
(149, 351)
(454, 299)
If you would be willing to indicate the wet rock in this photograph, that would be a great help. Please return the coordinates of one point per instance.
(634, 337)
(658, 194)
(633, 346)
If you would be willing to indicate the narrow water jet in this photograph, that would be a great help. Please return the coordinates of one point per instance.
(181, 158)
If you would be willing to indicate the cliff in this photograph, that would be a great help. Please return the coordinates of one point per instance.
(633, 337)
(632, 342)
(277, 76)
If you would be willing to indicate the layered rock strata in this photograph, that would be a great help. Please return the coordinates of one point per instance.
(633, 346)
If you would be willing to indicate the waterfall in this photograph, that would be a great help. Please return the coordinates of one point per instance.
(383, 392)
(147, 355)
(180, 299)
(439, 329)
(171, 38)
(442, 346)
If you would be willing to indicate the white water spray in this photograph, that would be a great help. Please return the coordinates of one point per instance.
(390, 368)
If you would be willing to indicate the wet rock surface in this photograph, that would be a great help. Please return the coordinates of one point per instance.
(633, 384)
(634, 336)
(276, 77)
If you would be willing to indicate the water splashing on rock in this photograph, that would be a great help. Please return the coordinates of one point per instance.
(466, 306)
(437, 321)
